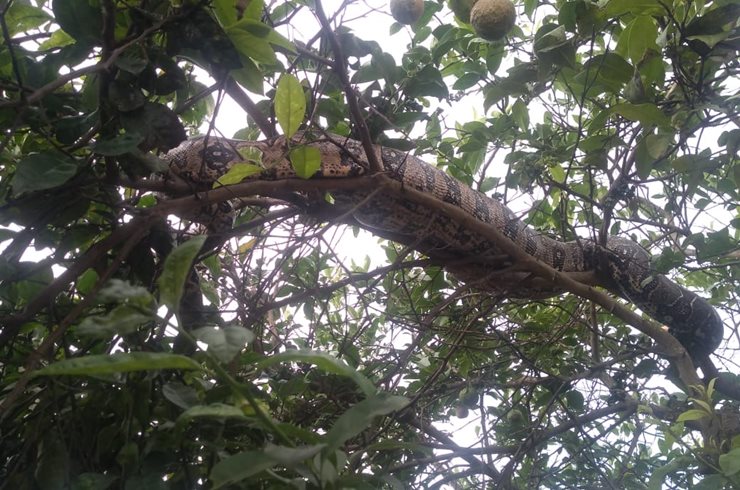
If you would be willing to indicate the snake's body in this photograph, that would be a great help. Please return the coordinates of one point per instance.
(623, 267)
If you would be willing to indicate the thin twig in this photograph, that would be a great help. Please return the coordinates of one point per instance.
(340, 69)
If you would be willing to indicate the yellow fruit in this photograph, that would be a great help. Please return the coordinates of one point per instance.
(461, 9)
(407, 11)
(492, 19)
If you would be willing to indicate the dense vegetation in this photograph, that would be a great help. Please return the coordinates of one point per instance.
(297, 354)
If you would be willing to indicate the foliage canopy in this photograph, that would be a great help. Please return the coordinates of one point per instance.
(286, 358)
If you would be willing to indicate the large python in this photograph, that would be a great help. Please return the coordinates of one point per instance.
(622, 267)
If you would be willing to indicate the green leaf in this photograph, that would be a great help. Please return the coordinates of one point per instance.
(6, 234)
(488, 184)
(702, 404)
(389, 445)
(290, 104)
(611, 68)
(716, 244)
(249, 75)
(254, 9)
(551, 45)
(254, 27)
(643, 160)
(22, 17)
(52, 469)
(214, 410)
(133, 62)
(689, 163)
(119, 362)
(58, 39)
(40, 171)
(117, 291)
(693, 414)
(730, 462)
(237, 173)
(466, 81)
(87, 281)
(575, 400)
(181, 395)
(596, 143)
(711, 482)
(120, 145)
(598, 121)
(225, 11)
(639, 36)
(645, 114)
(657, 144)
(81, 19)
(122, 320)
(306, 161)
(292, 456)
(428, 81)
(323, 361)
(558, 173)
(277, 39)
(711, 388)
(226, 342)
(35, 279)
(520, 114)
(176, 271)
(616, 8)
(92, 481)
(711, 40)
(646, 368)
(360, 416)
(252, 46)
(659, 475)
(718, 21)
(238, 467)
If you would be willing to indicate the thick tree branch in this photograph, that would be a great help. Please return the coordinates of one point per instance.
(672, 349)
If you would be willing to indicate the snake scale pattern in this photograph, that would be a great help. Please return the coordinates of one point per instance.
(623, 267)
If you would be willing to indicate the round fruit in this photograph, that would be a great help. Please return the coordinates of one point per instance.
(407, 11)
(461, 9)
(515, 417)
(470, 399)
(492, 19)
(461, 412)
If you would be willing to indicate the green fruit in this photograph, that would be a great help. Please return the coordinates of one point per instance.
(461, 412)
(461, 9)
(407, 11)
(470, 399)
(492, 19)
(515, 417)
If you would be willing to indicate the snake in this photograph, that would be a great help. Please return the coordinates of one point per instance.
(621, 266)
